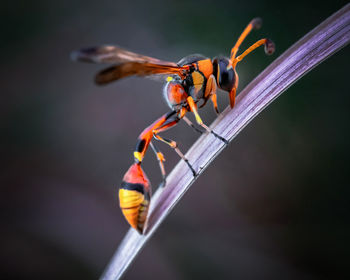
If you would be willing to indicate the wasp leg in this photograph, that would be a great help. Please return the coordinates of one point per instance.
(213, 99)
(166, 125)
(173, 145)
(193, 107)
(210, 92)
(163, 123)
(232, 94)
(192, 125)
(216, 135)
(146, 136)
(161, 159)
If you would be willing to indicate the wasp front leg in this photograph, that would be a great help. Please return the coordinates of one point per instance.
(210, 92)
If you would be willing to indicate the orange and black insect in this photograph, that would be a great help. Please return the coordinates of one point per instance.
(194, 78)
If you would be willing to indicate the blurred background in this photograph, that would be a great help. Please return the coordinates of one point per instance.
(281, 203)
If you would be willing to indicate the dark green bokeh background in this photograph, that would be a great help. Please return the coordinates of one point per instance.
(274, 205)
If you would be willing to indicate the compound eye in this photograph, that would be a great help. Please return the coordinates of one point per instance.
(225, 77)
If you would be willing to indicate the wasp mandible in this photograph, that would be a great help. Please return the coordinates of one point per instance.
(194, 78)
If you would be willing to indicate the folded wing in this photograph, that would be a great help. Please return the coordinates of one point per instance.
(127, 63)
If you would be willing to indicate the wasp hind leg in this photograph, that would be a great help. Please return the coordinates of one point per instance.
(173, 145)
(161, 159)
(163, 123)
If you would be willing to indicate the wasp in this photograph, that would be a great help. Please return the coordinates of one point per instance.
(194, 79)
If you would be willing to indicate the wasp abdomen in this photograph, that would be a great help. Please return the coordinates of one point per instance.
(134, 197)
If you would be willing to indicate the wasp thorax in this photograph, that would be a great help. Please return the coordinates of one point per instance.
(174, 93)
(224, 73)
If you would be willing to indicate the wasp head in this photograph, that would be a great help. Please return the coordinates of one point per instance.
(224, 74)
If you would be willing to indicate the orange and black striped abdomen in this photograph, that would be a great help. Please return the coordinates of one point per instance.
(134, 197)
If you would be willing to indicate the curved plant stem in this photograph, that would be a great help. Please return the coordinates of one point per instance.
(322, 42)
